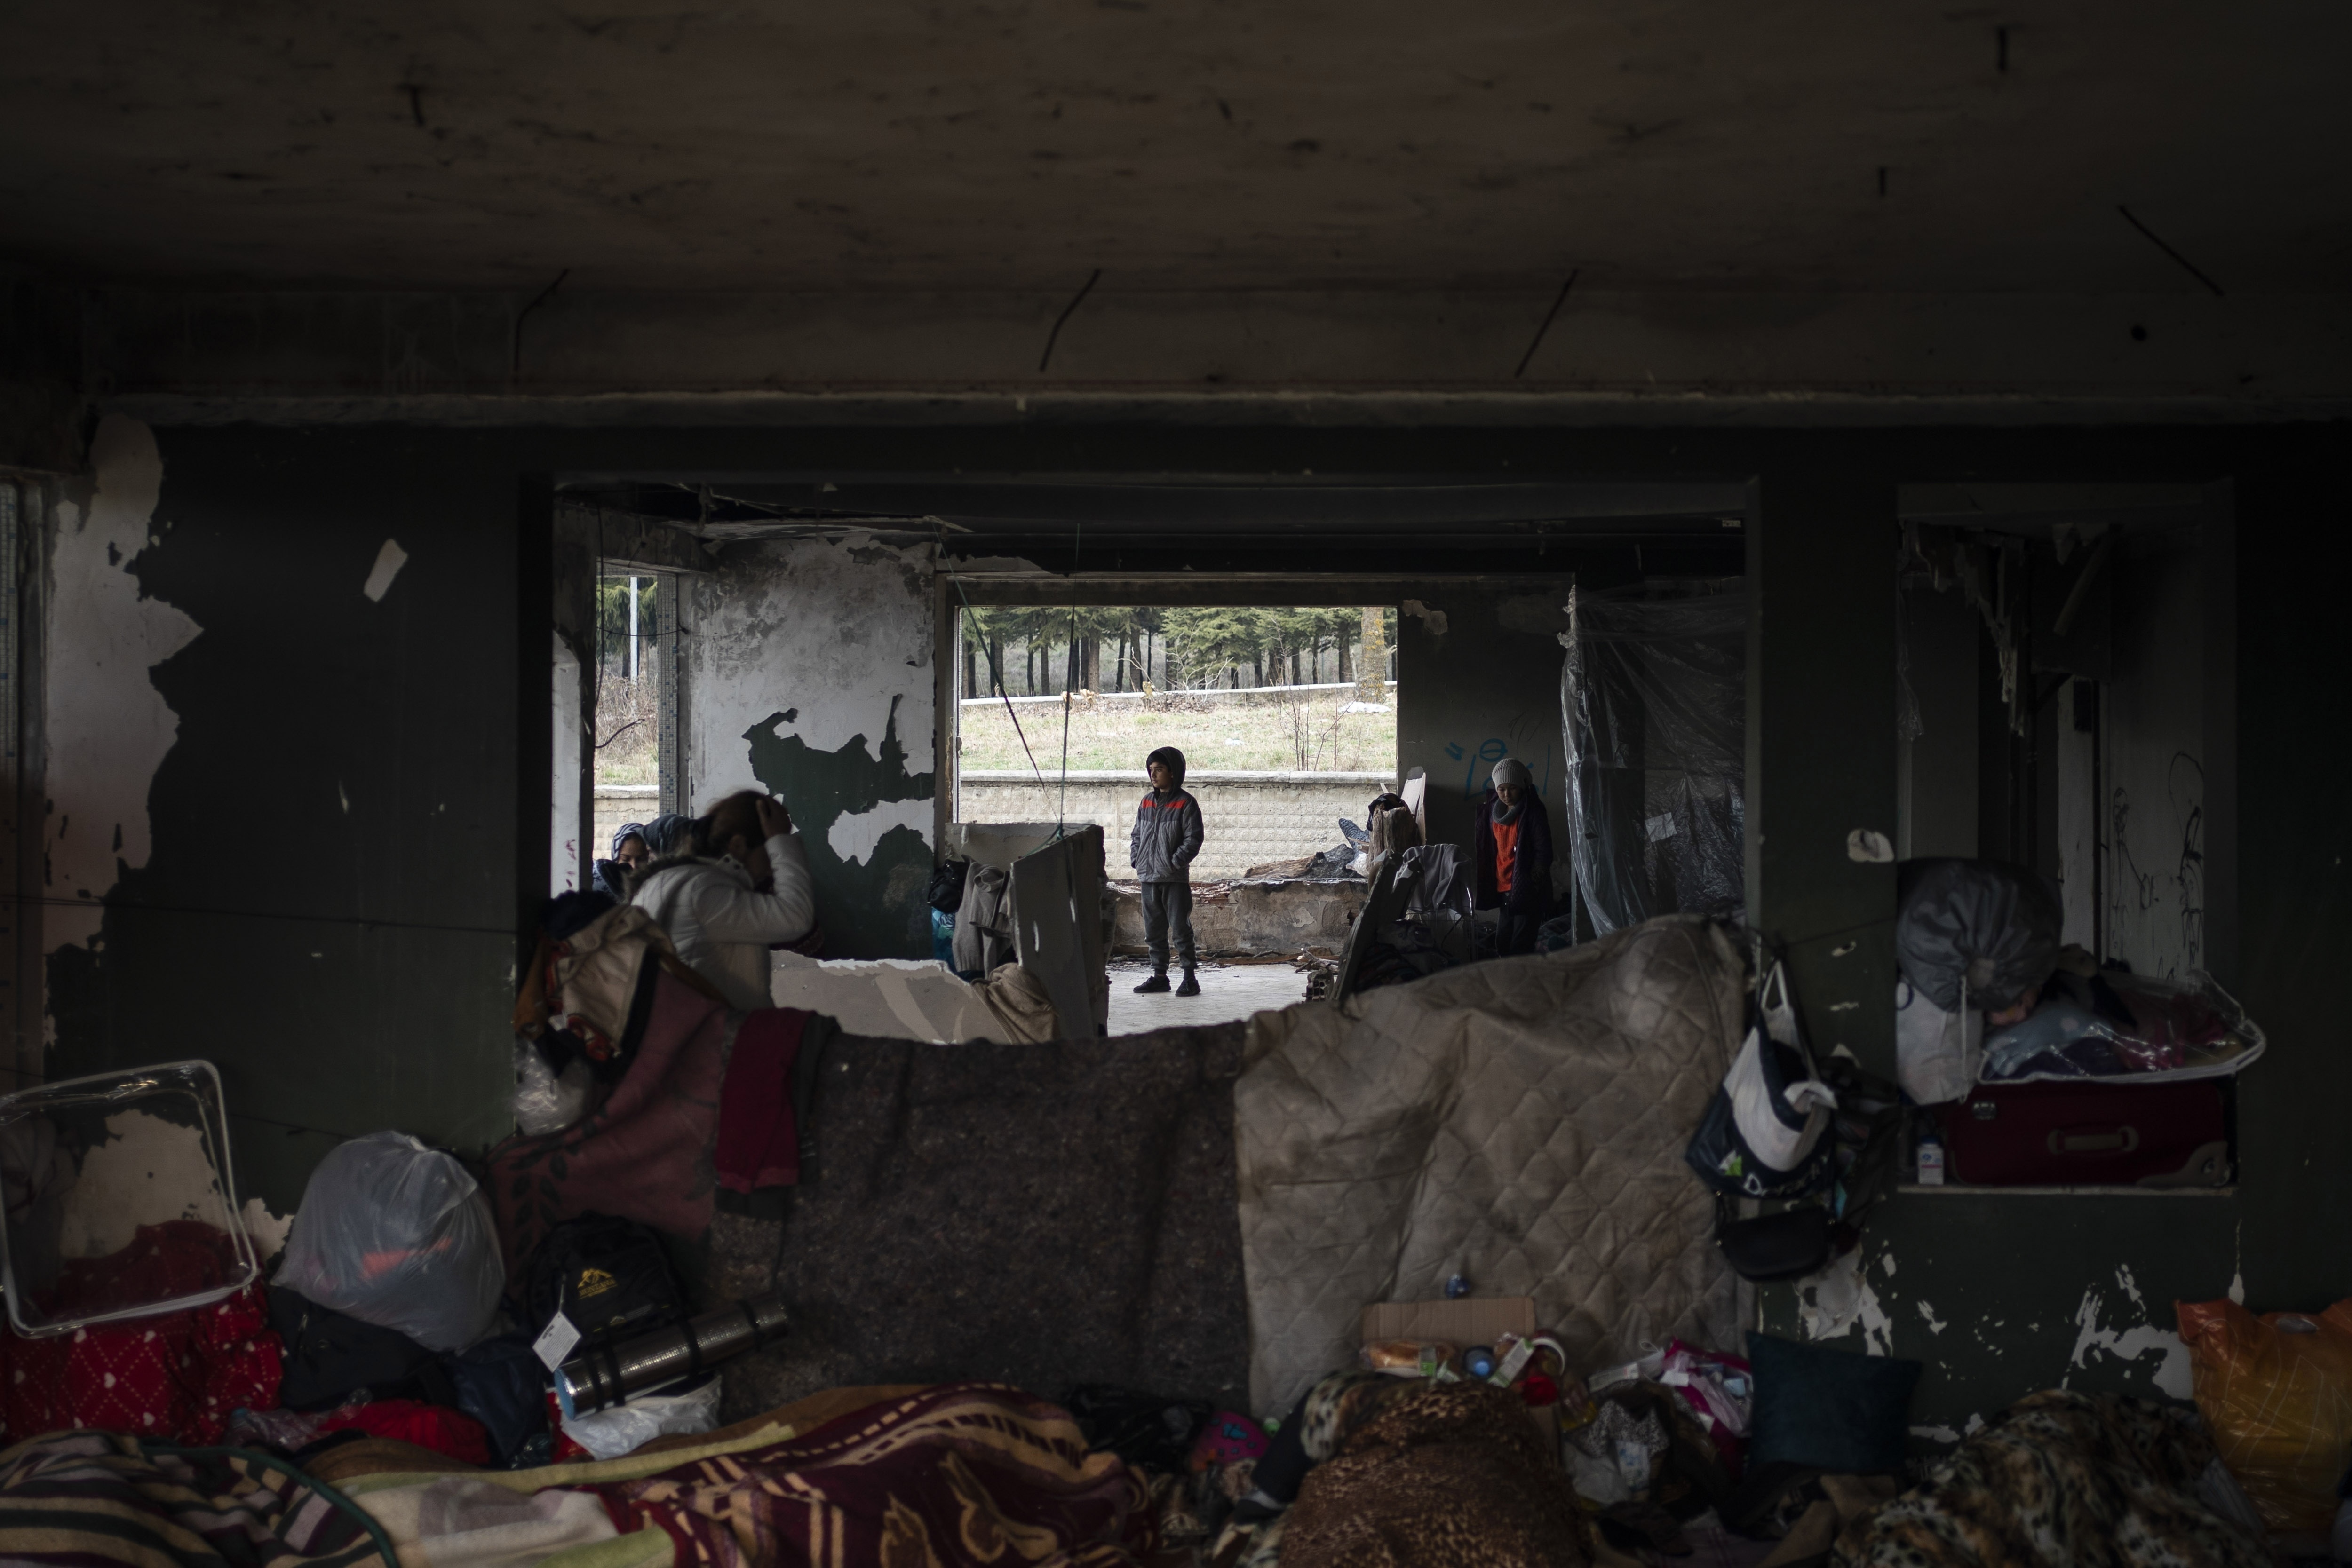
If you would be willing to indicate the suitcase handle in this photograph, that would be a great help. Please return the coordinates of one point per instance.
(2094, 1140)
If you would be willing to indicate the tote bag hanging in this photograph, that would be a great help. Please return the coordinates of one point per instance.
(1763, 1135)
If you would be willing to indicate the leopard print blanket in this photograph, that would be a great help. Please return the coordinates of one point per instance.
(1412, 1474)
(2061, 1479)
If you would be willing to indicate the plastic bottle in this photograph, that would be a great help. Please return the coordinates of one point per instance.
(1931, 1163)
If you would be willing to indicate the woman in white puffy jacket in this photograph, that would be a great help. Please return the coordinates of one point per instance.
(739, 890)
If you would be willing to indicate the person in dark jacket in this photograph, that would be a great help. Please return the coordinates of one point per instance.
(1166, 836)
(669, 834)
(629, 852)
(1514, 857)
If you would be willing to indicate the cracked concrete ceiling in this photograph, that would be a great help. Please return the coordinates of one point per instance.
(1213, 144)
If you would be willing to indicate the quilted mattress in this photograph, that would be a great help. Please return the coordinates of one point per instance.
(1520, 1122)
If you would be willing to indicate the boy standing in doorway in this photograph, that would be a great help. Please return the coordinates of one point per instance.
(1166, 836)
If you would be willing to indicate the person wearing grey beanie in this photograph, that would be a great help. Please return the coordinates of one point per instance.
(1513, 857)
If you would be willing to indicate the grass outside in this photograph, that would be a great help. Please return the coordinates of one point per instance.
(1305, 733)
(627, 731)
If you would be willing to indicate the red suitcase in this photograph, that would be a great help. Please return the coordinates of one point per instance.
(2088, 1135)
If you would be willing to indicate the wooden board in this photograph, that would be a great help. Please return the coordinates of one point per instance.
(1471, 1319)
(1058, 929)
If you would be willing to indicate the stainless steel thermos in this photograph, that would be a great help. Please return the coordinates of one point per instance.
(610, 1374)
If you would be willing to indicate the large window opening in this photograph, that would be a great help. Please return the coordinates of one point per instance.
(1286, 717)
(630, 729)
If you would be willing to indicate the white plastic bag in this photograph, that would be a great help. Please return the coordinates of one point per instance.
(545, 1101)
(397, 1235)
(624, 1428)
(1936, 1053)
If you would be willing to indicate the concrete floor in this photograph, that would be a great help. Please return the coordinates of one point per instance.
(1227, 991)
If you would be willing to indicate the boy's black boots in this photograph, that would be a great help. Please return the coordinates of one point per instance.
(1191, 988)
(1160, 983)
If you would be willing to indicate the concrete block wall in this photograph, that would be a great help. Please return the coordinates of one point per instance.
(1264, 916)
(618, 803)
(1249, 818)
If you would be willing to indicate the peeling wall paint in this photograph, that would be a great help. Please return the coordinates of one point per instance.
(108, 729)
(810, 670)
(1833, 1302)
(855, 835)
(147, 1172)
(2170, 1373)
(1997, 1297)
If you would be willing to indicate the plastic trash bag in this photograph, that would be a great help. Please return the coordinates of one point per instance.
(1973, 933)
(2276, 1392)
(624, 1428)
(397, 1235)
(1936, 1053)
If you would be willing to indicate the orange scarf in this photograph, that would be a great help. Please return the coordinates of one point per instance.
(1506, 853)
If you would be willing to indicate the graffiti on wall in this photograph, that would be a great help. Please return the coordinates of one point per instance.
(1479, 761)
(2156, 882)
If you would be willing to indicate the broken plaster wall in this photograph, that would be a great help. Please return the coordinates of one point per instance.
(2000, 1294)
(107, 727)
(809, 673)
(282, 781)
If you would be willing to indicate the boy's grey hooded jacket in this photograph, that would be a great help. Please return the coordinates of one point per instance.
(1167, 833)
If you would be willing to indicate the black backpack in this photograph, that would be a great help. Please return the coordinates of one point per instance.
(945, 892)
(331, 1356)
(612, 1278)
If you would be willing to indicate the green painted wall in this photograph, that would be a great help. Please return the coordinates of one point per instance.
(1484, 687)
(349, 826)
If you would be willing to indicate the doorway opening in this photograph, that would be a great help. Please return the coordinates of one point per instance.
(1285, 717)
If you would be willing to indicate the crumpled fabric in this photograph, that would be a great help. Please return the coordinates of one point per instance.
(1521, 1122)
(448, 1432)
(1018, 1000)
(174, 1377)
(2054, 1476)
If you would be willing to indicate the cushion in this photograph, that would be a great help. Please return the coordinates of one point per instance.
(1829, 1409)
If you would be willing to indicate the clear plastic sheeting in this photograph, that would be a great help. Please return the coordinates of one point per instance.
(119, 1198)
(1653, 703)
(2119, 1026)
(397, 1235)
(681, 1410)
(546, 1101)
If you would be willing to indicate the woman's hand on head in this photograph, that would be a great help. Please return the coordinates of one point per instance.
(774, 821)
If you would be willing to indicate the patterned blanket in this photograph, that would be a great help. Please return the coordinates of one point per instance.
(962, 1474)
(90, 1499)
(1414, 1474)
(2063, 1477)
